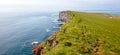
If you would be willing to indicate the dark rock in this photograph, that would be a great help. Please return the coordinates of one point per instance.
(38, 50)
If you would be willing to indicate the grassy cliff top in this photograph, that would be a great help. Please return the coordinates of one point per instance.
(87, 34)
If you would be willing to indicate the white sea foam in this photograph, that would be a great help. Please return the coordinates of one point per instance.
(58, 22)
(55, 20)
(34, 42)
(55, 27)
(47, 30)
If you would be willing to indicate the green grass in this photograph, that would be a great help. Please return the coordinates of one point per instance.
(88, 34)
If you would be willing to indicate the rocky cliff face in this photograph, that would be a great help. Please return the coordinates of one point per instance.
(64, 16)
(40, 49)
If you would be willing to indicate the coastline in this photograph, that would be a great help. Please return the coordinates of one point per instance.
(64, 16)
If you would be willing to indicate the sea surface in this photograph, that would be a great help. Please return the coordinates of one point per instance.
(18, 31)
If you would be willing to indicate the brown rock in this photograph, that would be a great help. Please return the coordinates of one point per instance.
(38, 50)
(64, 16)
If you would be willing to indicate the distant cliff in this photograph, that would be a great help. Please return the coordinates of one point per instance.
(64, 16)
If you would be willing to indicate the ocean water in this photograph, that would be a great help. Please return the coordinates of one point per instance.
(17, 32)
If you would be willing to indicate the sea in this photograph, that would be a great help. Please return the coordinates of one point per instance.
(19, 30)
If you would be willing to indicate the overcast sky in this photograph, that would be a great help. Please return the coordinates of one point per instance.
(58, 5)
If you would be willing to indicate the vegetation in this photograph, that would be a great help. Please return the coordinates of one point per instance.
(87, 34)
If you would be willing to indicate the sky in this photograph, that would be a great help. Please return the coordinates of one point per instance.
(57, 5)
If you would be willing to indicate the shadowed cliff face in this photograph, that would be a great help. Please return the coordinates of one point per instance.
(64, 16)
(38, 50)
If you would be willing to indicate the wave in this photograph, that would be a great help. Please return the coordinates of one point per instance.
(47, 30)
(55, 27)
(58, 22)
(34, 43)
(55, 20)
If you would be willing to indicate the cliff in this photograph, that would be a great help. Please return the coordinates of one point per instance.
(64, 16)
(83, 34)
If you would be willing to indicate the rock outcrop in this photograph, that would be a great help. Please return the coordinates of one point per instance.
(64, 16)
(52, 41)
(38, 50)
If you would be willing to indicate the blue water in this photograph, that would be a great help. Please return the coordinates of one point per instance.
(18, 32)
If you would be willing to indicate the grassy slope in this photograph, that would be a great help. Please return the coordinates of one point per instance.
(86, 33)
